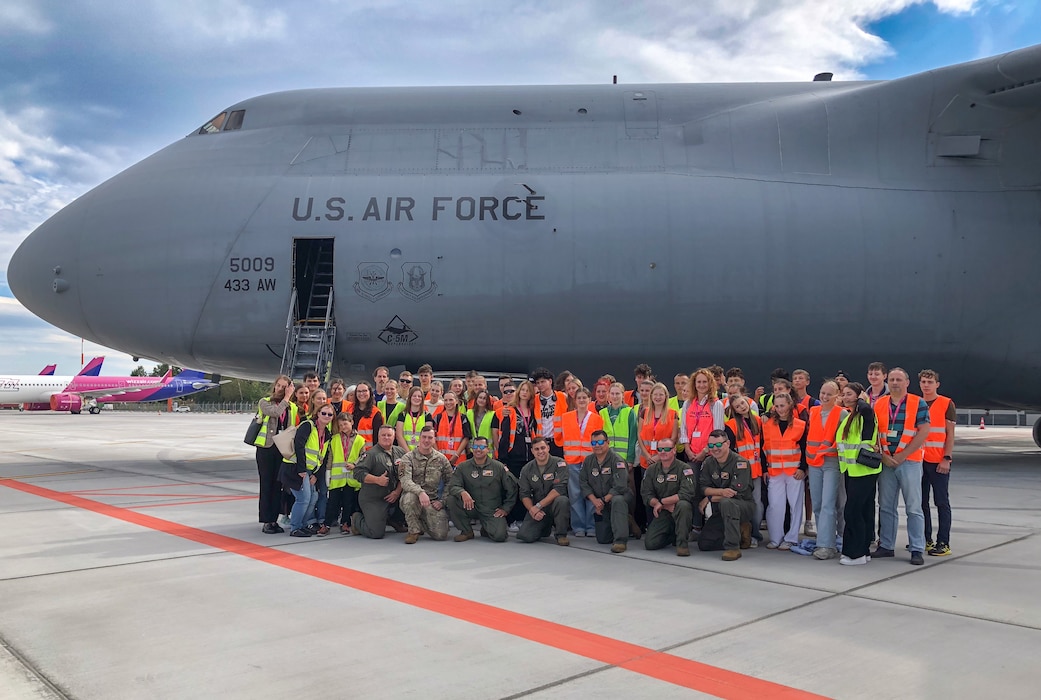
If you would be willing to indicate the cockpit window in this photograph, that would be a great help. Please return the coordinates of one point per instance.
(214, 125)
(235, 120)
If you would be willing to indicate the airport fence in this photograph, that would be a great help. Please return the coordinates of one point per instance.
(217, 407)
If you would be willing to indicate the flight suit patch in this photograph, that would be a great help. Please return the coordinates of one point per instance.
(725, 475)
(534, 477)
(473, 474)
(547, 477)
(620, 465)
(660, 479)
(688, 472)
(562, 465)
(487, 472)
(671, 477)
(742, 465)
(596, 472)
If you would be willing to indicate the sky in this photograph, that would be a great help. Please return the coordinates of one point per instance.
(88, 89)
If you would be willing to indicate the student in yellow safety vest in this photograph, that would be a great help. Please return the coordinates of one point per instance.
(345, 451)
(273, 415)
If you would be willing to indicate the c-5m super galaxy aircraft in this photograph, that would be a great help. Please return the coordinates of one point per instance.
(819, 224)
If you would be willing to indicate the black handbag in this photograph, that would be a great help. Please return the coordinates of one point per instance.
(252, 432)
(869, 458)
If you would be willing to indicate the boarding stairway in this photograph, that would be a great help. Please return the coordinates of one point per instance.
(310, 324)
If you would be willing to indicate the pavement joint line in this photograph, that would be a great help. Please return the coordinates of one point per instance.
(31, 668)
(634, 658)
(40, 476)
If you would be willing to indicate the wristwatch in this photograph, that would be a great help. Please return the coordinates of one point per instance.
(948, 458)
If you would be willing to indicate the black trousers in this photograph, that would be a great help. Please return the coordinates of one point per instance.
(516, 462)
(938, 484)
(269, 460)
(340, 505)
(859, 532)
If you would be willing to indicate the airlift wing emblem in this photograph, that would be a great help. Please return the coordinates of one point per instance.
(372, 281)
(416, 282)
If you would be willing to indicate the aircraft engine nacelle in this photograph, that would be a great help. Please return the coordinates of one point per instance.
(67, 402)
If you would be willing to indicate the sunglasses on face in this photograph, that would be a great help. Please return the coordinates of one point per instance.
(480, 447)
(715, 445)
(664, 449)
(510, 391)
(325, 414)
(597, 443)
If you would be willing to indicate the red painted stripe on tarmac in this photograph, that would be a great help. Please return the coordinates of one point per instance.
(648, 662)
(175, 485)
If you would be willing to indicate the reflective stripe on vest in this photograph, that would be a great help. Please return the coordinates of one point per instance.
(450, 436)
(748, 446)
(783, 451)
(313, 455)
(911, 405)
(262, 440)
(933, 449)
(411, 427)
(618, 431)
(849, 448)
(577, 436)
(819, 433)
(364, 427)
(655, 432)
(339, 475)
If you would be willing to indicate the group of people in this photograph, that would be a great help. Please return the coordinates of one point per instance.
(549, 456)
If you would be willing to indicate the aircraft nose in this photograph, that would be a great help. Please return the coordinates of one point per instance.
(44, 274)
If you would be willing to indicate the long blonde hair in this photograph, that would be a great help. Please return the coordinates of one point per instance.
(648, 413)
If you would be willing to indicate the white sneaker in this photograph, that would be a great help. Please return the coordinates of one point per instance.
(753, 544)
(514, 528)
(809, 529)
(283, 520)
(771, 545)
(846, 561)
(578, 533)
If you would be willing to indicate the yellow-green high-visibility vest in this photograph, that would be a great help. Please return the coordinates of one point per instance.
(339, 474)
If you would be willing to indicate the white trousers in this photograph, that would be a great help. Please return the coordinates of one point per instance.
(784, 488)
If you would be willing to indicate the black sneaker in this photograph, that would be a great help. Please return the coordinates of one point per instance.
(941, 549)
(916, 558)
(299, 533)
(271, 529)
(881, 553)
(313, 528)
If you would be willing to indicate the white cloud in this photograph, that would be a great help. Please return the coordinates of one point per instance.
(28, 344)
(39, 175)
(18, 16)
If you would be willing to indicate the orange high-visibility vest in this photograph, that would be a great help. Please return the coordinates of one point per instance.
(364, 427)
(515, 417)
(748, 446)
(576, 439)
(882, 407)
(820, 432)
(559, 409)
(450, 435)
(652, 433)
(933, 450)
(783, 451)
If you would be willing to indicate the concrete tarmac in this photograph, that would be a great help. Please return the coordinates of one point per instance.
(132, 566)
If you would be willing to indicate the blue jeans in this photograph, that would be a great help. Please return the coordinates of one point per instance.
(824, 492)
(581, 508)
(907, 480)
(303, 513)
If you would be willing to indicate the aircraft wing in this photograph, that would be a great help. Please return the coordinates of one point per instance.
(113, 392)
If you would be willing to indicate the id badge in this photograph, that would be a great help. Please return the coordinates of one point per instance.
(696, 433)
(527, 439)
(654, 445)
(891, 435)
